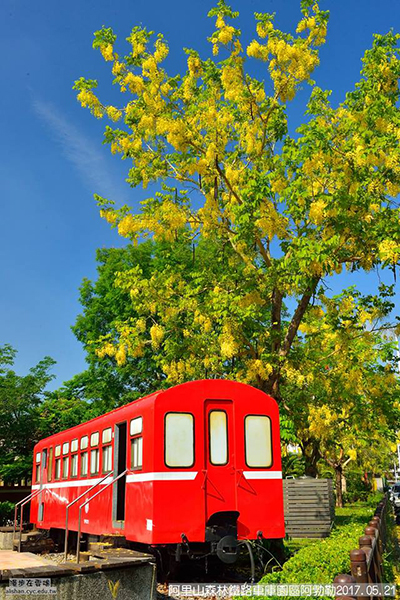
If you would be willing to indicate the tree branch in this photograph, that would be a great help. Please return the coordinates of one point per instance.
(276, 312)
(263, 252)
(297, 317)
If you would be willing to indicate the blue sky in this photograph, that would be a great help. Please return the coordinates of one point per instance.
(51, 154)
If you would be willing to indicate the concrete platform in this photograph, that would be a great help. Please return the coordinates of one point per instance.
(6, 538)
(133, 573)
(21, 560)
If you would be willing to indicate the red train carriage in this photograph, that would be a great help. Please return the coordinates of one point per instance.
(202, 463)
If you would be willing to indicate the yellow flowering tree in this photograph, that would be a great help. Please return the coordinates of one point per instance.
(342, 384)
(283, 212)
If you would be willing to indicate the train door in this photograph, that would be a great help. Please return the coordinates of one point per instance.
(220, 467)
(119, 488)
(42, 479)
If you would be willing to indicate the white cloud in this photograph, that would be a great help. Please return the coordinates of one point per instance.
(81, 152)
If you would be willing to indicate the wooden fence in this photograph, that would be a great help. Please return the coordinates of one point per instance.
(309, 507)
(366, 560)
(14, 493)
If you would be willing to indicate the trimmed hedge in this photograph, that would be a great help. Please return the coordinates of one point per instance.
(322, 560)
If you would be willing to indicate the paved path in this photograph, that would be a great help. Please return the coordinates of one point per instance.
(20, 560)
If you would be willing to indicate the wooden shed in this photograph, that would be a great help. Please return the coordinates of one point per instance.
(309, 507)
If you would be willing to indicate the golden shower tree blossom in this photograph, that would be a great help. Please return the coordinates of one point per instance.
(291, 210)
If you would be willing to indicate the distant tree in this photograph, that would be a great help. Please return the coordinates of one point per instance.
(60, 410)
(108, 383)
(21, 398)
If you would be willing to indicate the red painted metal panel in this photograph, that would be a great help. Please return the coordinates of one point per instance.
(162, 502)
(219, 480)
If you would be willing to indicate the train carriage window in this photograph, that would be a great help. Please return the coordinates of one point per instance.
(106, 435)
(65, 467)
(95, 453)
(136, 426)
(57, 470)
(107, 459)
(84, 442)
(258, 442)
(84, 464)
(137, 452)
(218, 428)
(179, 440)
(43, 461)
(50, 467)
(37, 467)
(74, 465)
(94, 461)
(74, 445)
(66, 448)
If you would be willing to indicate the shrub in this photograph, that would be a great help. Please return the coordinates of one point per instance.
(357, 487)
(293, 464)
(391, 555)
(321, 561)
(6, 512)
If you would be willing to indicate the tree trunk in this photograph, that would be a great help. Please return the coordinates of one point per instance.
(311, 457)
(310, 468)
(338, 485)
(271, 386)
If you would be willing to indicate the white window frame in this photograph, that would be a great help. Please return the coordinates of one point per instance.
(106, 435)
(57, 468)
(95, 452)
(65, 448)
(65, 461)
(85, 462)
(74, 465)
(136, 426)
(218, 439)
(50, 464)
(74, 445)
(137, 452)
(107, 454)
(174, 446)
(94, 439)
(84, 442)
(252, 464)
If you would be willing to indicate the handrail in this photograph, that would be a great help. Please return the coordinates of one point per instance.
(73, 502)
(86, 502)
(23, 502)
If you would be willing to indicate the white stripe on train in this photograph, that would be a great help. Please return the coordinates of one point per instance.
(144, 477)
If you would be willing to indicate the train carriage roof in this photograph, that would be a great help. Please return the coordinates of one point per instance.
(197, 384)
(54, 438)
